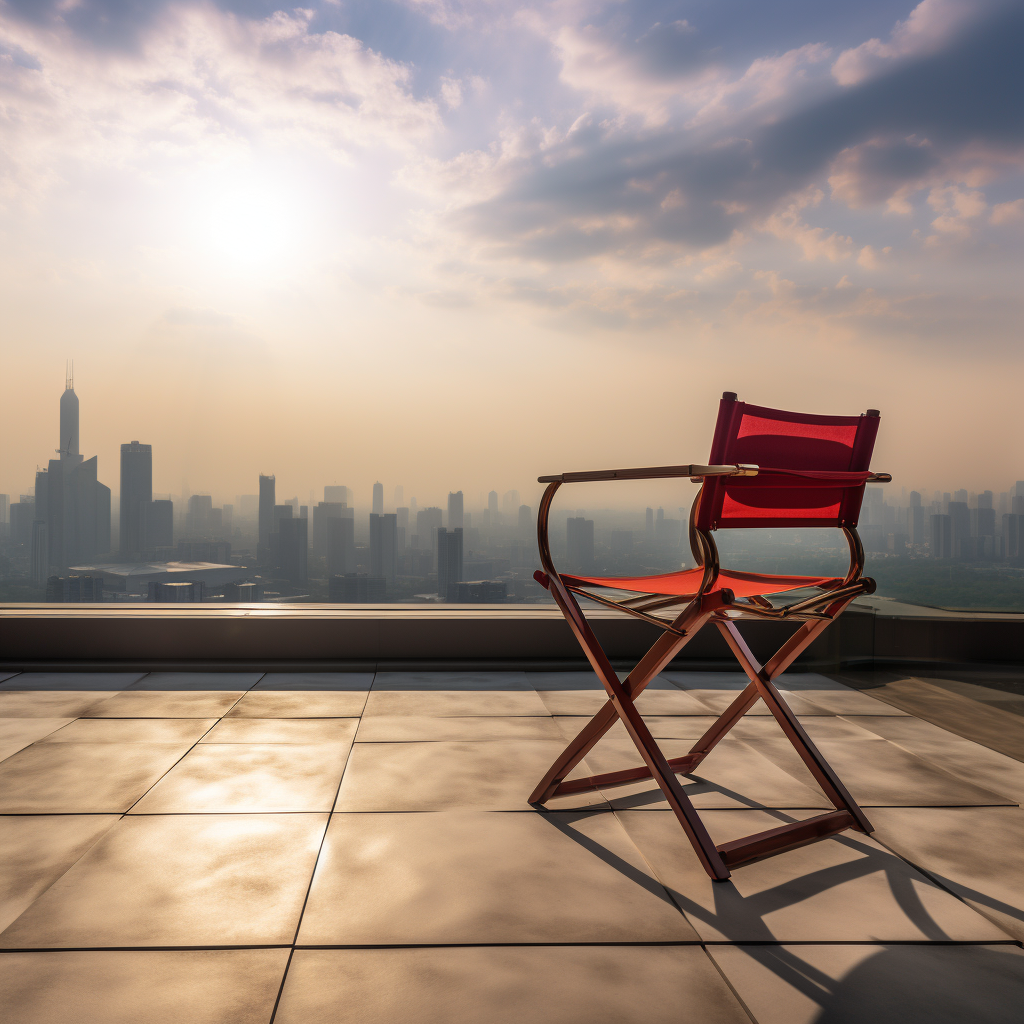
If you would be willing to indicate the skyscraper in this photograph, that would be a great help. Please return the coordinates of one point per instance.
(579, 543)
(378, 499)
(293, 545)
(324, 511)
(338, 493)
(268, 498)
(341, 546)
(455, 519)
(428, 522)
(157, 526)
(492, 503)
(136, 492)
(71, 504)
(449, 563)
(383, 545)
(509, 503)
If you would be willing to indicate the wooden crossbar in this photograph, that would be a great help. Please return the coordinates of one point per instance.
(785, 837)
(680, 765)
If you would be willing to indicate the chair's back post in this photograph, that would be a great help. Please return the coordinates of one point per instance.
(856, 555)
(543, 543)
(704, 549)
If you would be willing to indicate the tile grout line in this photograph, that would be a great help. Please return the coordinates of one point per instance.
(316, 861)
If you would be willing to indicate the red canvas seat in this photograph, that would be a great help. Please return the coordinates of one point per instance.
(768, 468)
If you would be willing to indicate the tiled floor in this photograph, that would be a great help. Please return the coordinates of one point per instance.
(358, 847)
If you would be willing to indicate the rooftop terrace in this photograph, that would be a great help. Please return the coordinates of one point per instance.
(357, 846)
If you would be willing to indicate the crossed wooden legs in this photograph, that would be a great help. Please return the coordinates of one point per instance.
(717, 860)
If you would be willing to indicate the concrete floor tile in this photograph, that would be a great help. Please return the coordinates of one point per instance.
(718, 701)
(848, 702)
(495, 775)
(80, 681)
(663, 727)
(35, 850)
(300, 704)
(734, 774)
(480, 876)
(707, 680)
(209, 681)
(283, 730)
(451, 681)
(48, 704)
(667, 701)
(181, 704)
(508, 985)
(209, 986)
(879, 773)
(184, 731)
(903, 984)
(977, 852)
(18, 733)
(180, 880)
(255, 778)
(403, 728)
(964, 758)
(82, 778)
(843, 889)
(455, 703)
(354, 681)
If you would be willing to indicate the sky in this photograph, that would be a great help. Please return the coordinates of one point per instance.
(456, 245)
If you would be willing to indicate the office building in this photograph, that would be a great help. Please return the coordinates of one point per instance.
(22, 514)
(579, 535)
(136, 493)
(293, 546)
(5, 504)
(942, 536)
(268, 498)
(1013, 526)
(200, 521)
(204, 551)
(378, 499)
(340, 546)
(383, 545)
(74, 589)
(960, 515)
(403, 519)
(509, 504)
(357, 588)
(70, 502)
(157, 525)
(449, 563)
(339, 494)
(428, 522)
(324, 511)
(455, 513)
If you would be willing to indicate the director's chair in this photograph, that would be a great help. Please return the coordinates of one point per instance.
(768, 469)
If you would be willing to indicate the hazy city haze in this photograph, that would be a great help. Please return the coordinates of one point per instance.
(451, 246)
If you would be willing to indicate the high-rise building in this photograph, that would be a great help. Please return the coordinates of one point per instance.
(22, 514)
(525, 522)
(70, 502)
(324, 511)
(449, 563)
(268, 499)
(942, 536)
(455, 515)
(509, 503)
(1013, 536)
(294, 548)
(492, 504)
(157, 525)
(199, 520)
(403, 518)
(383, 545)
(986, 500)
(579, 543)
(136, 493)
(341, 546)
(378, 499)
(960, 515)
(5, 504)
(428, 522)
(39, 566)
(338, 493)
(649, 523)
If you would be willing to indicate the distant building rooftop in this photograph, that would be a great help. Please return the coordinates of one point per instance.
(138, 575)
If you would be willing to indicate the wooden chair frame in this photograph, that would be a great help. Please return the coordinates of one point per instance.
(718, 606)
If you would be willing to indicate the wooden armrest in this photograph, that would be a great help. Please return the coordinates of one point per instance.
(696, 473)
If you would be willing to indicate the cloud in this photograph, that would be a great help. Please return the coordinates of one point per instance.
(200, 83)
(616, 188)
(931, 25)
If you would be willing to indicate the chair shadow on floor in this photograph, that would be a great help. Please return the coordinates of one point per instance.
(929, 982)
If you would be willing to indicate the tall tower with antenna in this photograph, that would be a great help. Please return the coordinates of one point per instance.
(69, 450)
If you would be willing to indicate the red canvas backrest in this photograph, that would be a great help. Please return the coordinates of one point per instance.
(773, 439)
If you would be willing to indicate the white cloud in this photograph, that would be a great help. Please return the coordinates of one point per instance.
(930, 24)
(1007, 213)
